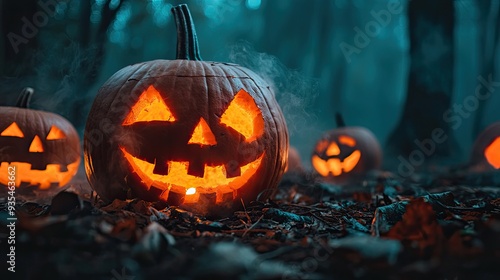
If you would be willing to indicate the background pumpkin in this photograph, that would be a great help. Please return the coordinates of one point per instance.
(486, 149)
(345, 154)
(44, 147)
(294, 161)
(205, 135)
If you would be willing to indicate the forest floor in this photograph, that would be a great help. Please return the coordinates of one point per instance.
(433, 227)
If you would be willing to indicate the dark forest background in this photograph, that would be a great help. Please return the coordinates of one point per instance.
(398, 79)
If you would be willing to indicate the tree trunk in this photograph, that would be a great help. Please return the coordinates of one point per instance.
(19, 38)
(91, 66)
(489, 42)
(430, 83)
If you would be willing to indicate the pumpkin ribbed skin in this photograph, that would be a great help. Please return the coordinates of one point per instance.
(35, 122)
(366, 143)
(191, 90)
(65, 153)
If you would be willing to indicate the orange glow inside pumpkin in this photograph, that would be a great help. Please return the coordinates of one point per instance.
(36, 145)
(333, 149)
(12, 130)
(55, 133)
(191, 196)
(346, 140)
(202, 134)
(179, 181)
(334, 165)
(321, 146)
(44, 178)
(244, 116)
(51, 175)
(149, 107)
(320, 165)
(492, 153)
(351, 161)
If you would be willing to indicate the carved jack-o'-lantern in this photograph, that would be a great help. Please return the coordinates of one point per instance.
(205, 135)
(345, 154)
(43, 147)
(486, 150)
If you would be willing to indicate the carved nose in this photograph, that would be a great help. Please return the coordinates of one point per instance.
(36, 145)
(202, 134)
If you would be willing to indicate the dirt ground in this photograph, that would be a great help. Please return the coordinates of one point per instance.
(433, 227)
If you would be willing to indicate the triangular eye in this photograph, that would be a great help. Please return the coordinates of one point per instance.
(202, 134)
(346, 140)
(244, 116)
(149, 107)
(321, 146)
(12, 130)
(55, 133)
(36, 145)
(333, 150)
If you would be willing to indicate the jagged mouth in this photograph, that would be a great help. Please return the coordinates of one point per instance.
(178, 180)
(334, 166)
(51, 175)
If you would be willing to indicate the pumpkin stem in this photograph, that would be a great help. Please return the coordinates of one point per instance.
(24, 98)
(187, 41)
(339, 120)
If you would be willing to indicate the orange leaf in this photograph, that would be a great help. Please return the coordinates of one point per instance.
(419, 228)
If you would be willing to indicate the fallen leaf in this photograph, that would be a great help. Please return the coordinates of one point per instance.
(65, 202)
(114, 206)
(419, 228)
(387, 216)
(283, 216)
(153, 244)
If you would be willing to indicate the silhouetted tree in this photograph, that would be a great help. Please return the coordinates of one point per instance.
(19, 40)
(430, 83)
(489, 43)
(94, 45)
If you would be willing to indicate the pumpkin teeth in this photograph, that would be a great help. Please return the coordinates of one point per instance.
(63, 168)
(196, 168)
(232, 169)
(51, 176)
(215, 178)
(161, 167)
(38, 166)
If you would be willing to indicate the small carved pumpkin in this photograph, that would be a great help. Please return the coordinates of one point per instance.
(346, 154)
(486, 149)
(204, 135)
(43, 147)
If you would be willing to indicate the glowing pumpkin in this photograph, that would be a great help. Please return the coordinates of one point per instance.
(43, 147)
(346, 154)
(486, 149)
(204, 135)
